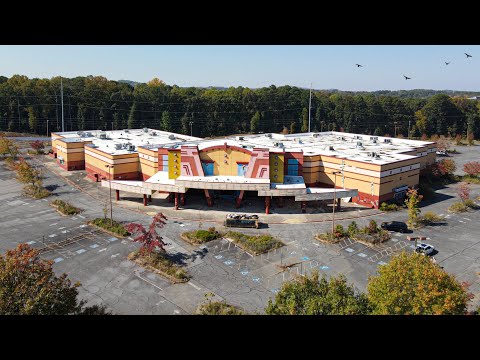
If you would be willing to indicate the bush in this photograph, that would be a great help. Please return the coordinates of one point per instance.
(202, 236)
(339, 231)
(36, 192)
(388, 207)
(458, 207)
(256, 243)
(160, 262)
(371, 228)
(65, 208)
(376, 238)
(218, 308)
(352, 228)
(429, 218)
(106, 224)
(471, 204)
(327, 237)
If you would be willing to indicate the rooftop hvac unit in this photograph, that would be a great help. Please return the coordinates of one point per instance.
(131, 147)
(359, 144)
(102, 136)
(239, 138)
(316, 135)
(388, 141)
(330, 148)
(154, 133)
(374, 138)
(118, 146)
(79, 133)
(171, 137)
(145, 130)
(88, 134)
(126, 130)
(268, 135)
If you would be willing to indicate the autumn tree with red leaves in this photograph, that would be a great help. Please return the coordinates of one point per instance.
(472, 168)
(149, 238)
(38, 146)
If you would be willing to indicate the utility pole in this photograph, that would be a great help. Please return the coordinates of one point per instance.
(61, 91)
(409, 129)
(309, 107)
(56, 107)
(191, 128)
(112, 125)
(47, 126)
(395, 124)
(334, 200)
(19, 120)
(110, 186)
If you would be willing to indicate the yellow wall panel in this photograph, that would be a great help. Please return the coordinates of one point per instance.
(174, 164)
(220, 167)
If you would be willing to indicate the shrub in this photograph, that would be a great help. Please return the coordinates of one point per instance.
(463, 191)
(371, 228)
(160, 262)
(388, 207)
(36, 192)
(218, 308)
(472, 168)
(205, 235)
(352, 228)
(106, 224)
(255, 243)
(65, 208)
(458, 207)
(429, 218)
(339, 231)
(458, 139)
(471, 179)
(471, 204)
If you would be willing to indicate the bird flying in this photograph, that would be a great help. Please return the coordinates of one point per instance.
(446, 63)
(358, 65)
(468, 55)
(406, 77)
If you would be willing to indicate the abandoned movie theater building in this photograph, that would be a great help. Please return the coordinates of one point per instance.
(305, 167)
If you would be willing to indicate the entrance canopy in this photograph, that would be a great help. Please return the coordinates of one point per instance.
(223, 183)
(313, 194)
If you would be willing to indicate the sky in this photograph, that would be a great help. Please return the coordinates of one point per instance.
(323, 66)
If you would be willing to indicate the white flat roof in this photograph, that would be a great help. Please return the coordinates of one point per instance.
(161, 177)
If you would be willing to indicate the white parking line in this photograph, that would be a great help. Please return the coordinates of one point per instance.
(53, 224)
(195, 286)
(104, 249)
(467, 219)
(52, 236)
(61, 228)
(83, 217)
(148, 281)
(463, 222)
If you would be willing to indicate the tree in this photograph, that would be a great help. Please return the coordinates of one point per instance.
(131, 116)
(254, 123)
(38, 146)
(149, 238)
(458, 139)
(442, 144)
(463, 191)
(285, 130)
(32, 119)
(28, 175)
(293, 128)
(7, 146)
(29, 286)
(412, 201)
(472, 168)
(449, 166)
(165, 122)
(156, 82)
(311, 295)
(411, 284)
(304, 127)
(470, 139)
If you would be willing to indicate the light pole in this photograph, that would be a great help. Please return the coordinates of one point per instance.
(47, 127)
(191, 128)
(334, 200)
(110, 186)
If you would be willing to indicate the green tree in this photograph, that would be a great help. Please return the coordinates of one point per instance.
(29, 286)
(131, 117)
(255, 122)
(165, 124)
(28, 175)
(411, 284)
(412, 201)
(311, 295)
(32, 119)
(293, 128)
(304, 127)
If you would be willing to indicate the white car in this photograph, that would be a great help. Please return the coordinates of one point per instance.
(424, 249)
(441, 153)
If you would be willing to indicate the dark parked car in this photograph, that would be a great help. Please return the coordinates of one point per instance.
(395, 226)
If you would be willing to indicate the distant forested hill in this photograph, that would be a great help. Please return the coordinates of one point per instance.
(94, 102)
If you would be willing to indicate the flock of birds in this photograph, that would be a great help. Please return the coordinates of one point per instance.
(409, 78)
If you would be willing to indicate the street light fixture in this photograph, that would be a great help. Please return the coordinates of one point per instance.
(110, 186)
(334, 199)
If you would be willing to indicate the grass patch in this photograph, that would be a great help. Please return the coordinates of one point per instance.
(471, 179)
(160, 264)
(65, 208)
(328, 237)
(471, 204)
(200, 236)
(36, 192)
(258, 244)
(105, 224)
(218, 308)
(376, 238)
(389, 207)
(429, 218)
(458, 207)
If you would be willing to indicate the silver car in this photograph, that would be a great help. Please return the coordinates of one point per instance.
(424, 249)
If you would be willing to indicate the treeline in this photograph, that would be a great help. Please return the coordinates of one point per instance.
(95, 102)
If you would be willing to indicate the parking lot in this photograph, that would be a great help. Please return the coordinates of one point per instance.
(99, 261)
